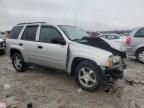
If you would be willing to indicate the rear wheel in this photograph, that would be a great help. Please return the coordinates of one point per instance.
(18, 62)
(87, 76)
(140, 55)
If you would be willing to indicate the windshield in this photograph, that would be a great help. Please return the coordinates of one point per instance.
(72, 32)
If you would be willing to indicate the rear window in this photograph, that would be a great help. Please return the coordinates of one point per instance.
(30, 33)
(15, 32)
(140, 33)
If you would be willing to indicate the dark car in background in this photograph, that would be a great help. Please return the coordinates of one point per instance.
(2, 44)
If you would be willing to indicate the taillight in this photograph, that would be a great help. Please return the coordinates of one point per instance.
(128, 41)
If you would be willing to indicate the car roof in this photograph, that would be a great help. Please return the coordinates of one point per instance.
(34, 23)
(39, 23)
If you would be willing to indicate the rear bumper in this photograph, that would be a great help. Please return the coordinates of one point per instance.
(130, 51)
(114, 73)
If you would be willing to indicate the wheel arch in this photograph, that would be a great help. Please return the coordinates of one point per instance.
(76, 61)
(138, 50)
(13, 50)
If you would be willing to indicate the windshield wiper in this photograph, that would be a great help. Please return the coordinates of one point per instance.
(75, 39)
(80, 39)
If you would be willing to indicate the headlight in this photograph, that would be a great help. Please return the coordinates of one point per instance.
(116, 59)
(110, 60)
(113, 59)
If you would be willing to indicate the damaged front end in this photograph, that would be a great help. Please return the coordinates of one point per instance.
(116, 67)
(115, 72)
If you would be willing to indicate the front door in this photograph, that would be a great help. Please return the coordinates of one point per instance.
(48, 53)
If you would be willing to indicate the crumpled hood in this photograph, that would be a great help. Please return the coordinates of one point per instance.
(89, 49)
(115, 45)
(102, 44)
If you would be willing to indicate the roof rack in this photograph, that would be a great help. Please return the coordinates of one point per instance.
(30, 23)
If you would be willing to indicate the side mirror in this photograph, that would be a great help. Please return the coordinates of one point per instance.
(58, 41)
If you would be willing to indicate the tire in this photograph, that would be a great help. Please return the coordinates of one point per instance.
(140, 55)
(19, 66)
(87, 76)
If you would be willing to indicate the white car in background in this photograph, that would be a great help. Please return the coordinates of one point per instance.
(117, 41)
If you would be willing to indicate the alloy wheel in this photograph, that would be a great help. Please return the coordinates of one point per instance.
(141, 56)
(87, 77)
(18, 62)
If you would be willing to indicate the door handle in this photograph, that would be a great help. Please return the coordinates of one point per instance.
(40, 47)
(20, 44)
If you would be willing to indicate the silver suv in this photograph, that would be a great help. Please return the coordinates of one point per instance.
(59, 47)
(136, 45)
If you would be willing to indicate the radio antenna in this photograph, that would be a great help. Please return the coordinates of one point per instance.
(75, 17)
(75, 21)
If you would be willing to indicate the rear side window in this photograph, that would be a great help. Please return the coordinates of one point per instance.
(140, 33)
(15, 32)
(29, 33)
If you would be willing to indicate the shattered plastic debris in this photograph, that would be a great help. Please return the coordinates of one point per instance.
(29, 105)
(6, 86)
(11, 101)
(132, 82)
(3, 105)
(79, 90)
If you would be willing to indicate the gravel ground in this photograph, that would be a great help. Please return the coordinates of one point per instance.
(47, 88)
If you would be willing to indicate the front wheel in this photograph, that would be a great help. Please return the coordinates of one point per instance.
(18, 62)
(87, 76)
(140, 55)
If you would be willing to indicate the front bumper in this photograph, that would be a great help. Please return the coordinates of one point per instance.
(114, 73)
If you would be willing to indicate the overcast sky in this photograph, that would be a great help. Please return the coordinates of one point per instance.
(90, 14)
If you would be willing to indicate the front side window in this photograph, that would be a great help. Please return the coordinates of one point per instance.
(72, 32)
(47, 34)
(29, 33)
(140, 33)
(15, 32)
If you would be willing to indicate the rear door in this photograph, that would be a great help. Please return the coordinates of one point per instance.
(28, 43)
(49, 53)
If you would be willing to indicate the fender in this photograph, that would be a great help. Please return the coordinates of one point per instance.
(98, 60)
(138, 47)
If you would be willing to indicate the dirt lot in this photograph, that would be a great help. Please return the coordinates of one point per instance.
(46, 88)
